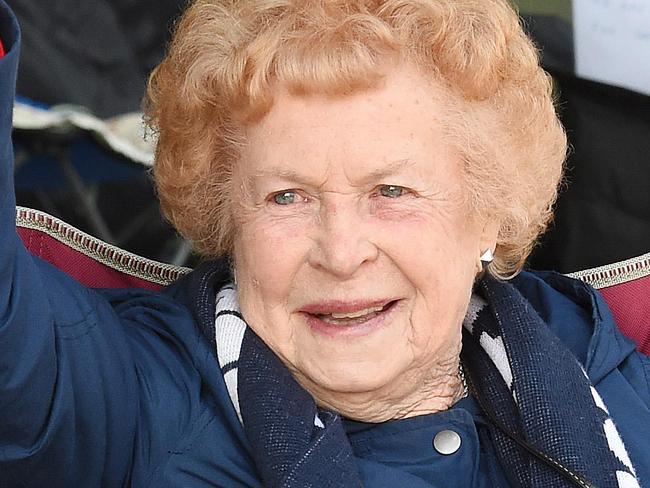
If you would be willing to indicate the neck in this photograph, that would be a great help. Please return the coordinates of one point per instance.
(411, 396)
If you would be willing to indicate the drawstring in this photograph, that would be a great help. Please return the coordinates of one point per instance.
(567, 473)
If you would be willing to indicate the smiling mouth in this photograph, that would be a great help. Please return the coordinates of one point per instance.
(358, 317)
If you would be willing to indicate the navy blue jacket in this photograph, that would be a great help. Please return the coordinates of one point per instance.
(122, 388)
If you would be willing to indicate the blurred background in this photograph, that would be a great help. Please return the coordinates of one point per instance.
(82, 155)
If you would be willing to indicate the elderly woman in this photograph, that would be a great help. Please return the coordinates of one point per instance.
(367, 176)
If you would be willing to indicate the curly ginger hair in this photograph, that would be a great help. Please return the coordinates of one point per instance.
(227, 55)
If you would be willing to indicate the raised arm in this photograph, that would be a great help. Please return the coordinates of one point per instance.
(61, 397)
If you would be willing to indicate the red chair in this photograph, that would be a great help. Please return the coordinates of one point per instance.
(626, 288)
(625, 285)
(88, 259)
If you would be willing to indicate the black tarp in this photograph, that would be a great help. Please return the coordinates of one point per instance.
(95, 53)
(603, 213)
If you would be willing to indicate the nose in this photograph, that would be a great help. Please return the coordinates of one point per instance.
(344, 240)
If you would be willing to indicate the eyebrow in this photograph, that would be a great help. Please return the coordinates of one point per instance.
(390, 169)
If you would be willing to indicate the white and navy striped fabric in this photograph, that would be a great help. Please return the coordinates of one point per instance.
(541, 393)
(229, 334)
(295, 445)
(531, 382)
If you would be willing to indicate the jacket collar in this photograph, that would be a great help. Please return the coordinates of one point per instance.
(580, 317)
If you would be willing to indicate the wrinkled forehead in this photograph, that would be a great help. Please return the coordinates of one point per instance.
(400, 95)
(395, 127)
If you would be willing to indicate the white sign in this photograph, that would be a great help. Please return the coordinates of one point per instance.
(612, 42)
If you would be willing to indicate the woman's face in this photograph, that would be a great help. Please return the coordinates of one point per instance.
(355, 253)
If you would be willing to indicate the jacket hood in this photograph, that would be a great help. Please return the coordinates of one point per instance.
(580, 317)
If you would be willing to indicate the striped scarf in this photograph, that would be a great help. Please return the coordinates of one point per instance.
(548, 423)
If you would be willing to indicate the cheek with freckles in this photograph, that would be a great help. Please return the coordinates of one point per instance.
(437, 257)
(267, 260)
(269, 247)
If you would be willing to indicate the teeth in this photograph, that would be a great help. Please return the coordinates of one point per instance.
(354, 315)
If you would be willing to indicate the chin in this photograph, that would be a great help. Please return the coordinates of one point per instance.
(356, 377)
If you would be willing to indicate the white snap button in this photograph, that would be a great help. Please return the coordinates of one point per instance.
(446, 442)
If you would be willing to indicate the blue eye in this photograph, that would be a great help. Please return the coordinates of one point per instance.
(285, 197)
(392, 191)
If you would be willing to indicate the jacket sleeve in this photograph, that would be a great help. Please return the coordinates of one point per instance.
(68, 403)
(636, 370)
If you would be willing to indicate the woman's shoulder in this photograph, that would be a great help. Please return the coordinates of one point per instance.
(580, 317)
(187, 417)
(186, 388)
